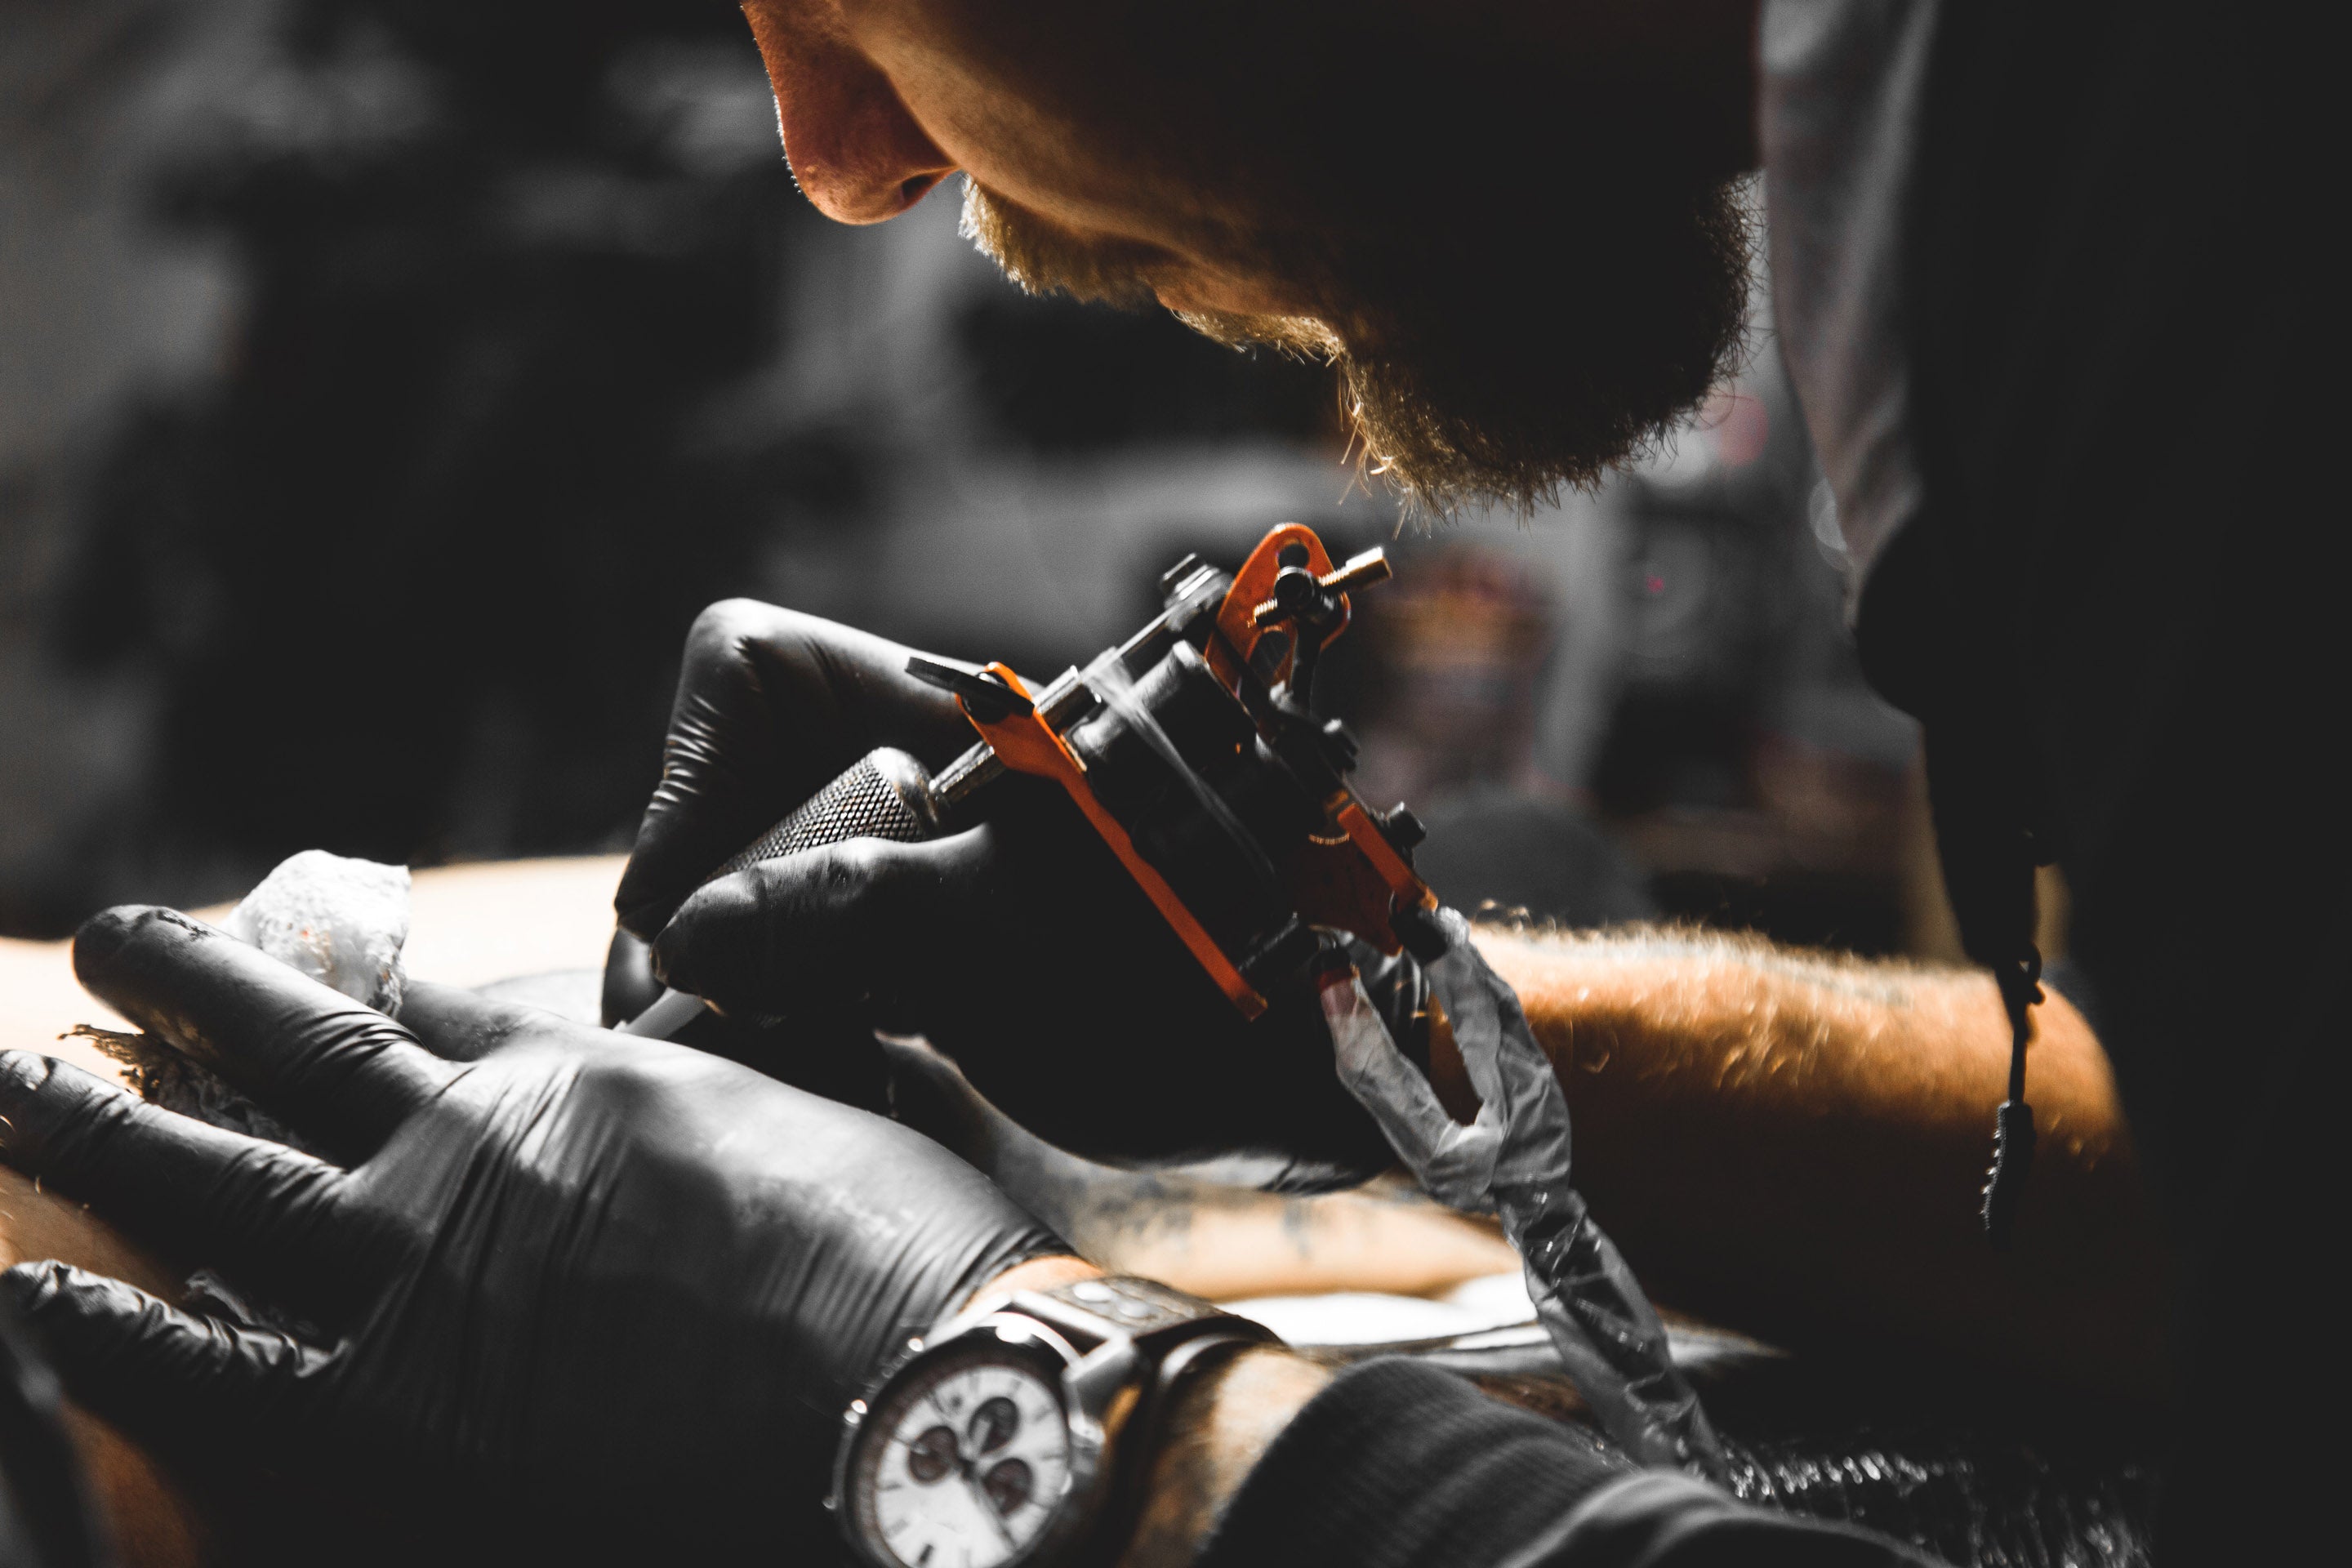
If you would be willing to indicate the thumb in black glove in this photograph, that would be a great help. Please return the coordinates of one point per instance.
(627, 1281)
(771, 705)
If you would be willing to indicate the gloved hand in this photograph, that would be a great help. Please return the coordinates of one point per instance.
(1020, 947)
(625, 1281)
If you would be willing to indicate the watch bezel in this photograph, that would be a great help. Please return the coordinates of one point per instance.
(1006, 1339)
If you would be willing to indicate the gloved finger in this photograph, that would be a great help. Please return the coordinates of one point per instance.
(630, 985)
(929, 1093)
(772, 706)
(461, 1025)
(191, 1190)
(338, 1072)
(161, 1373)
(828, 926)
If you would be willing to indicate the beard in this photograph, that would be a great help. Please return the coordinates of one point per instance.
(1487, 363)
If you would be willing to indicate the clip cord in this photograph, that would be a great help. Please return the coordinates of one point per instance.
(1514, 1161)
(1991, 834)
(2012, 1135)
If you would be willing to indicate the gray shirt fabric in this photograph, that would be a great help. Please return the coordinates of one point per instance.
(1841, 86)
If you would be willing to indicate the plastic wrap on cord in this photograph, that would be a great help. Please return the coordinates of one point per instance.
(1513, 1161)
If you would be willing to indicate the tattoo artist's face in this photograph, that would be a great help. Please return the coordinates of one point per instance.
(1513, 298)
(878, 103)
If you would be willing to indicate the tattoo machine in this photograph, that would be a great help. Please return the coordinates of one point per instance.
(1190, 750)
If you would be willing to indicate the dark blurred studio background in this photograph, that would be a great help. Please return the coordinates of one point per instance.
(384, 385)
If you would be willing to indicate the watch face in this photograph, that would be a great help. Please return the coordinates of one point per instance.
(962, 1465)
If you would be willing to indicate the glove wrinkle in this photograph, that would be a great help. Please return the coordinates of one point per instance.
(174, 1377)
(173, 1180)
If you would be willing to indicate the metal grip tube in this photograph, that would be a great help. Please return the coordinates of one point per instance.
(886, 794)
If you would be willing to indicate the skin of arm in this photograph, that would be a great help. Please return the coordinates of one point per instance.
(1223, 1422)
(153, 1520)
(1212, 1239)
(1794, 1144)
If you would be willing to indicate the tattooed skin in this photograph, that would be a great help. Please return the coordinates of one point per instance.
(1195, 1227)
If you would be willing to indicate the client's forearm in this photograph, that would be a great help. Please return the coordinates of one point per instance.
(151, 1520)
(1797, 1143)
(1221, 1427)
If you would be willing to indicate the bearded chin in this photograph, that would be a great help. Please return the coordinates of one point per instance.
(1497, 377)
(1440, 449)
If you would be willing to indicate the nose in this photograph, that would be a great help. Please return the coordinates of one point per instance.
(858, 154)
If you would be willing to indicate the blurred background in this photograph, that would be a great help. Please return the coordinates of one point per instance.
(385, 384)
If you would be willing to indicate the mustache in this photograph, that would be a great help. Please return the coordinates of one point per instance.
(1043, 257)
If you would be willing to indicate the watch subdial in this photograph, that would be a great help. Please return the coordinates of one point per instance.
(933, 1455)
(994, 1424)
(1008, 1484)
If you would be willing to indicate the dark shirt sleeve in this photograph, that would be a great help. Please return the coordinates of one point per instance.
(1397, 1465)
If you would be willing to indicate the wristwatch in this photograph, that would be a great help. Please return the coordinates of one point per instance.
(1018, 1432)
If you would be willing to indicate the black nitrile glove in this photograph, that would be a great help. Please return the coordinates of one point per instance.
(627, 1284)
(1019, 947)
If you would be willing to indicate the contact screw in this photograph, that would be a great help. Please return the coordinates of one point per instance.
(1339, 746)
(1403, 830)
